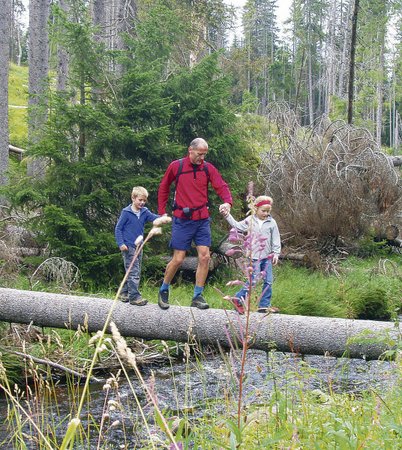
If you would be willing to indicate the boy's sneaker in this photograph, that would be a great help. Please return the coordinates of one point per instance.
(138, 301)
(163, 299)
(238, 304)
(268, 310)
(199, 302)
(123, 298)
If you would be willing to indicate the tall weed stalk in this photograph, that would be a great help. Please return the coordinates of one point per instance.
(244, 335)
(69, 437)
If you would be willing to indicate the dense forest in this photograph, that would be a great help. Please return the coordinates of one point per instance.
(117, 89)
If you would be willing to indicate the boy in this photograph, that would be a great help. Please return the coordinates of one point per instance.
(265, 244)
(128, 228)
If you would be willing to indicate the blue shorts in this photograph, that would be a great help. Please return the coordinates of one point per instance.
(185, 231)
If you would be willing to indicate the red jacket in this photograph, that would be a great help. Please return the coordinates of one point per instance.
(192, 188)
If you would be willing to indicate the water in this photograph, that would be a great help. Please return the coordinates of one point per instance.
(189, 389)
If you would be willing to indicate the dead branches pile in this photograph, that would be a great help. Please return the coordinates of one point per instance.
(332, 179)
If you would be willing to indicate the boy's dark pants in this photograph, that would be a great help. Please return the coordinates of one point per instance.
(130, 288)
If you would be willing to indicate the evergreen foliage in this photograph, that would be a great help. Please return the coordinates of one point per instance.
(101, 140)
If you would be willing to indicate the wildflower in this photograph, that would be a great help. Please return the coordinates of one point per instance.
(155, 231)
(102, 348)
(234, 283)
(94, 338)
(161, 221)
(250, 188)
(234, 235)
(139, 240)
(233, 251)
(115, 423)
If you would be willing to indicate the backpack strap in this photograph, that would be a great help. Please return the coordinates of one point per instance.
(179, 172)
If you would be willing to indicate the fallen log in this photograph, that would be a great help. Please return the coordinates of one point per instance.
(396, 160)
(286, 333)
(234, 251)
(16, 150)
(190, 263)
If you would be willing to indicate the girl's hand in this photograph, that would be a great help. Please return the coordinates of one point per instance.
(224, 209)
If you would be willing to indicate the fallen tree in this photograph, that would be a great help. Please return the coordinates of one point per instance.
(300, 334)
(396, 160)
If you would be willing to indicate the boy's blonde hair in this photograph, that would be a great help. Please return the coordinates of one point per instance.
(263, 198)
(139, 190)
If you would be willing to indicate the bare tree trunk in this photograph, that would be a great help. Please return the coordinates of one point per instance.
(343, 63)
(125, 21)
(310, 70)
(331, 57)
(352, 62)
(5, 28)
(218, 327)
(380, 94)
(98, 11)
(62, 59)
(38, 59)
(310, 89)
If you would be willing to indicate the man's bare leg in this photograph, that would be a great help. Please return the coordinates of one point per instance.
(173, 265)
(170, 272)
(200, 277)
(203, 265)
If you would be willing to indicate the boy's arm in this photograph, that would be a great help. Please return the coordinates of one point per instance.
(118, 231)
(150, 217)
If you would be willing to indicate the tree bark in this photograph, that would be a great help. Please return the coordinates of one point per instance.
(5, 28)
(18, 151)
(286, 333)
(352, 62)
(38, 60)
(62, 58)
(396, 160)
(380, 91)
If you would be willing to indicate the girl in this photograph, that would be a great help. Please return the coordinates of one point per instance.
(263, 243)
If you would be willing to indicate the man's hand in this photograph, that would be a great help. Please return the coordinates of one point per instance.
(224, 209)
(275, 259)
(123, 248)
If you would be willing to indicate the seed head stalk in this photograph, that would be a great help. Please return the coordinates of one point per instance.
(140, 242)
(247, 301)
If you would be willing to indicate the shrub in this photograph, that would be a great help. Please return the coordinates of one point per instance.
(373, 304)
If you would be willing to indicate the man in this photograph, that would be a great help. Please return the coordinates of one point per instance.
(191, 220)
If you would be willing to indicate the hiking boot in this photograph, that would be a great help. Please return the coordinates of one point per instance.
(199, 302)
(138, 301)
(123, 298)
(163, 299)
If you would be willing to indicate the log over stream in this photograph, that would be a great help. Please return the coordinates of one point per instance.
(285, 333)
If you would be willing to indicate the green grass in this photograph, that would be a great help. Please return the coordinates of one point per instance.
(311, 420)
(18, 96)
(302, 291)
(289, 418)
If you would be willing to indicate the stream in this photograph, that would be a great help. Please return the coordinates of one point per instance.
(201, 386)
